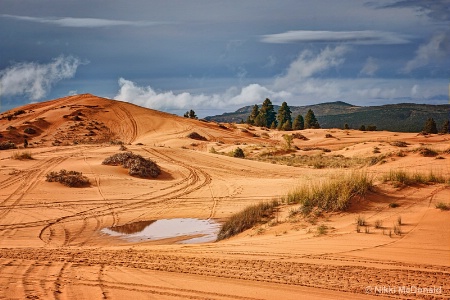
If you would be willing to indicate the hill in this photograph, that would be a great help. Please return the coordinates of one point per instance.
(404, 117)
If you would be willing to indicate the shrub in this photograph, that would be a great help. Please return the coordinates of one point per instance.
(394, 205)
(299, 136)
(427, 152)
(7, 145)
(361, 221)
(246, 219)
(399, 144)
(443, 206)
(397, 229)
(378, 224)
(137, 165)
(322, 229)
(194, 135)
(406, 178)
(68, 178)
(30, 130)
(239, 153)
(22, 155)
(328, 135)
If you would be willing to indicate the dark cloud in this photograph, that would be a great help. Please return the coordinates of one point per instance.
(435, 9)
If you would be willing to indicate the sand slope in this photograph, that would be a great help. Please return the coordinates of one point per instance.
(52, 246)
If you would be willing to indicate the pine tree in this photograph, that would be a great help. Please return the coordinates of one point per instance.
(430, 126)
(287, 126)
(346, 127)
(192, 114)
(284, 115)
(311, 120)
(186, 114)
(299, 123)
(362, 128)
(267, 114)
(259, 121)
(445, 127)
(251, 118)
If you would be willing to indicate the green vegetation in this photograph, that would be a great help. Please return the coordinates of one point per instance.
(322, 229)
(246, 219)
(445, 127)
(284, 118)
(68, 178)
(22, 155)
(137, 165)
(266, 115)
(399, 144)
(239, 153)
(7, 145)
(332, 195)
(311, 120)
(427, 152)
(378, 224)
(430, 126)
(406, 178)
(299, 123)
(190, 114)
(394, 205)
(318, 161)
(196, 136)
(443, 206)
(252, 117)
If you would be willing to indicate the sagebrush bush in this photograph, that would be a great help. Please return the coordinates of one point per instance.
(137, 165)
(246, 219)
(443, 206)
(68, 178)
(7, 145)
(196, 136)
(22, 155)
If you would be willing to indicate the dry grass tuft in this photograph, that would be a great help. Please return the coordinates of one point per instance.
(22, 155)
(332, 195)
(246, 219)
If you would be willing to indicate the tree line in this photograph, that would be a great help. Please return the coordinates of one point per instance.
(266, 117)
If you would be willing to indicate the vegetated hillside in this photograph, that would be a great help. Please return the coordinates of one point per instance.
(405, 117)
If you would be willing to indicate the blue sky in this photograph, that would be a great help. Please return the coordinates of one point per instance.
(216, 56)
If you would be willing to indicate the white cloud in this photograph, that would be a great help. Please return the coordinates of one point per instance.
(307, 64)
(84, 22)
(35, 80)
(437, 48)
(365, 37)
(370, 67)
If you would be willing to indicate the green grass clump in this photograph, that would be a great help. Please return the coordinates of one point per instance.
(137, 165)
(68, 178)
(332, 195)
(322, 229)
(443, 206)
(246, 219)
(22, 155)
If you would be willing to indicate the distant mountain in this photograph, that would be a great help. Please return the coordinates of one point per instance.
(404, 117)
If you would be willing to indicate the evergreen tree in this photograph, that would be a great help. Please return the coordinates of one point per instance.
(430, 126)
(267, 114)
(239, 153)
(299, 123)
(192, 114)
(287, 126)
(362, 128)
(273, 125)
(445, 127)
(186, 114)
(259, 121)
(346, 127)
(311, 120)
(284, 115)
(251, 118)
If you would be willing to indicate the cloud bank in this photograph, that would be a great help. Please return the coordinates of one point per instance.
(298, 85)
(35, 80)
(366, 37)
(84, 22)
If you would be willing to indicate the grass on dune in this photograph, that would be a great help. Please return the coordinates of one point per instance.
(332, 195)
(409, 178)
(247, 218)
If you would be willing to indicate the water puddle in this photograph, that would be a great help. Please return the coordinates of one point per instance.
(200, 231)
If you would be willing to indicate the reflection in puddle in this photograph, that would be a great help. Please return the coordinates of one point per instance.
(167, 228)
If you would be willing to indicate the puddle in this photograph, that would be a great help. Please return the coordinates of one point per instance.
(167, 228)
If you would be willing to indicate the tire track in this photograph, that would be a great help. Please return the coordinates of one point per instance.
(134, 127)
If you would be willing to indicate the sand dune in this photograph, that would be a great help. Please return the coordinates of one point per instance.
(52, 246)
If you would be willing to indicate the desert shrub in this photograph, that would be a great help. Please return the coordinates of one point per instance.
(322, 229)
(137, 165)
(19, 112)
(194, 135)
(299, 136)
(378, 224)
(123, 148)
(427, 152)
(397, 229)
(22, 155)
(394, 205)
(7, 145)
(399, 144)
(332, 195)
(361, 221)
(443, 206)
(68, 178)
(30, 130)
(328, 135)
(246, 219)
(238, 152)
